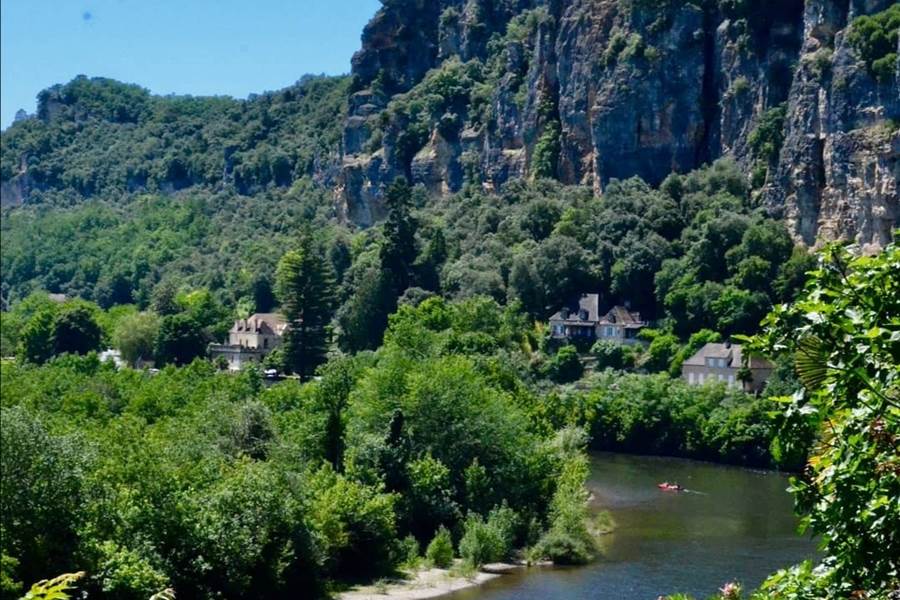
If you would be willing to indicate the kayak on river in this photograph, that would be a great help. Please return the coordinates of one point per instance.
(669, 487)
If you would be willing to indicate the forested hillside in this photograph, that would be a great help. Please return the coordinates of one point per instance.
(99, 138)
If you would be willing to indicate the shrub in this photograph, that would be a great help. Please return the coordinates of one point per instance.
(875, 39)
(440, 550)
(483, 541)
(408, 551)
(358, 523)
(546, 152)
(568, 541)
(766, 140)
(613, 356)
(565, 366)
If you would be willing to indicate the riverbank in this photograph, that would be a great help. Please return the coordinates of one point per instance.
(427, 583)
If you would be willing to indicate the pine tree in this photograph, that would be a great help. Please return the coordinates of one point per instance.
(398, 253)
(304, 286)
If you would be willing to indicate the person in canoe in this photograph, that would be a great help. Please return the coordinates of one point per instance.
(669, 487)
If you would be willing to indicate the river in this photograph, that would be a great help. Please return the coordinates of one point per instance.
(732, 525)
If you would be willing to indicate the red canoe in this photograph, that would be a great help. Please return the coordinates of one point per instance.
(669, 487)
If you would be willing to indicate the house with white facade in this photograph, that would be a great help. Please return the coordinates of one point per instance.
(582, 319)
(250, 340)
(727, 363)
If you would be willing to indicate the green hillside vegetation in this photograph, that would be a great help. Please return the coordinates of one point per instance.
(102, 138)
(695, 254)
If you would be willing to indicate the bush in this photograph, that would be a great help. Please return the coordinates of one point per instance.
(482, 541)
(766, 140)
(613, 356)
(568, 541)
(408, 551)
(440, 550)
(565, 367)
(358, 523)
(875, 39)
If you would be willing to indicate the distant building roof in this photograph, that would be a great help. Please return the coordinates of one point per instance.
(57, 297)
(266, 323)
(732, 352)
(622, 316)
(586, 311)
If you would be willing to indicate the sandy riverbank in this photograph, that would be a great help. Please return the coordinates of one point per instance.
(424, 584)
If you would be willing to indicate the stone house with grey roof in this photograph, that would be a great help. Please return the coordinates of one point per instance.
(583, 320)
(250, 340)
(727, 363)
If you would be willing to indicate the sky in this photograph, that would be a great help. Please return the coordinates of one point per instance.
(198, 47)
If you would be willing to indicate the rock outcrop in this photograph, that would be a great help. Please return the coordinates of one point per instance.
(590, 90)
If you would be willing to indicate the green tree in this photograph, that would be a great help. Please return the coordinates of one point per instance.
(398, 251)
(135, 336)
(41, 495)
(304, 285)
(364, 317)
(179, 341)
(440, 549)
(842, 335)
(338, 376)
(19, 315)
(36, 338)
(565, 366)
(76, 330)
(163, 300)
(206, 311)
(662, 350)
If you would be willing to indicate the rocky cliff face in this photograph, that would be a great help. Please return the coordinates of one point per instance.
(454, 91)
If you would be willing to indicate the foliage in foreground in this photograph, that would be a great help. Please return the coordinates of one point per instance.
(844, 336)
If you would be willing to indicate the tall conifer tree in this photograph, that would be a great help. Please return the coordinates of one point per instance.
(305, 287)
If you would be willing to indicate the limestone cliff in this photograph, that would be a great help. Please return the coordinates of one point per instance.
(454, 91)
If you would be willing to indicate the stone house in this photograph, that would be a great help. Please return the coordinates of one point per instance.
(250, 340)
(727, 363)
(583, 320)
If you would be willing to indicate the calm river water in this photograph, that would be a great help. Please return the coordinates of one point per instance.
(734, 524)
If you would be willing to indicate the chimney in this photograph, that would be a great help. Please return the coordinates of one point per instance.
(564, 312)
(728, 343)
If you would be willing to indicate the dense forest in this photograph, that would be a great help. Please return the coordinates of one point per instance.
(423, 415)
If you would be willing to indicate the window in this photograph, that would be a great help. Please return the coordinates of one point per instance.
(700, 378)
(731, 380)
(691, 377)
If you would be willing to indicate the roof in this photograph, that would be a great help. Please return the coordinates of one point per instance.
(733, 352)
(590, 303)
(267, 323)
(622, 316)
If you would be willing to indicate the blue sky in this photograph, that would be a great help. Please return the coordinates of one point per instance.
(199, 47)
